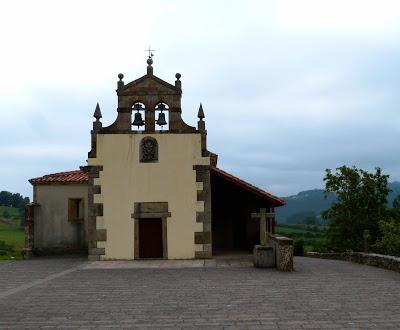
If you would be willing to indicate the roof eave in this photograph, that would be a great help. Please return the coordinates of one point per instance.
(274, 200)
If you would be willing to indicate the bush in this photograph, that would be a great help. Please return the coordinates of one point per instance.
(389, 243)
(5, 248)
(319, 245)
(298, 246)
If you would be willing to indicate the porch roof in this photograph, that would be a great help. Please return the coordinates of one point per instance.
(268, 197)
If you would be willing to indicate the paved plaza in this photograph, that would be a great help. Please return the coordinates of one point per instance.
(319, 294)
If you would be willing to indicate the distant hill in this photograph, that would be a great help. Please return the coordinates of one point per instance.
(395, 187)
(311, 203)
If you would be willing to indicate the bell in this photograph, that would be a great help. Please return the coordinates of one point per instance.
(161, 119)
(138, 120)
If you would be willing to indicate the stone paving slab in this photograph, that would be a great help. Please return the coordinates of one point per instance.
(14, 273)
(320, 294)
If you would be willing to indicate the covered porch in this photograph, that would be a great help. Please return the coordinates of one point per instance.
(233, 201)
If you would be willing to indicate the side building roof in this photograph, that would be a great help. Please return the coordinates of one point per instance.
(69, 177)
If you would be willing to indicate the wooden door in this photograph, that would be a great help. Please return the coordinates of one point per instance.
(150, 238)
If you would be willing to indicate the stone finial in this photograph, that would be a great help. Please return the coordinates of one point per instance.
(201, 124)
(97, 125)
(97, 112)
(149, 67)
(200, 114)
(178, 83)
(120, 83)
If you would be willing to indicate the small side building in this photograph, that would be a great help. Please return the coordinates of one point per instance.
(59, 213)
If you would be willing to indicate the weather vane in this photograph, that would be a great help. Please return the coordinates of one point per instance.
(150, 52)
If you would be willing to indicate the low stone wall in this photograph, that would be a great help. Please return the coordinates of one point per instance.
(283, 247)
(371, 259)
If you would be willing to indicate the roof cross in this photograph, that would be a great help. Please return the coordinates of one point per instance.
(150, 52)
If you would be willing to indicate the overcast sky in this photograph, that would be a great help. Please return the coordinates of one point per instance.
(289, 88)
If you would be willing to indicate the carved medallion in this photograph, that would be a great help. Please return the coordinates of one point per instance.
(148, 150)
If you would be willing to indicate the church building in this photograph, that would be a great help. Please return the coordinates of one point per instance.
(150, 189)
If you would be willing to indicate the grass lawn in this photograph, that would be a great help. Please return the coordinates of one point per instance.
(314, 236)
(12, 234)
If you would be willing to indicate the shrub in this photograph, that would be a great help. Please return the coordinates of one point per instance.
(5, 248)
(298, 246)
(389, 243)
(319, 245)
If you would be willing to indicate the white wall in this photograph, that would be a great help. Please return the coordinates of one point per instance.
(124, 181)
(51, 226)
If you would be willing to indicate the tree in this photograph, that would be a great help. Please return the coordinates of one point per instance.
(5, 198)
(361, 203)
(396, 202)
(13, 200)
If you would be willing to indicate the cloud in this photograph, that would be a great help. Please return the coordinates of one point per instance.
(355, 17)
(289, 88)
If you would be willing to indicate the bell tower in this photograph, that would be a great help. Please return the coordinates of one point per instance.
(144, 97)
(149, 176)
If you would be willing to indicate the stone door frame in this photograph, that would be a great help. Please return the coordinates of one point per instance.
(150, 210)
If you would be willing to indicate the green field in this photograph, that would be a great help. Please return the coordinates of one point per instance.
(12, 237)
(10, 213)
(313, 235)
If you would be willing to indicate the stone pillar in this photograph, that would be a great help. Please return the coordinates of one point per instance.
(283, 247)
(204, 237)
(94, 210)
(29, 230)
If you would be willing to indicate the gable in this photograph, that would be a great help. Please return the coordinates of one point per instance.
(149, 85)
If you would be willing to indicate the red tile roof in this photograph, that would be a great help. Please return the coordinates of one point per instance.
(61, 178)
(276, 201)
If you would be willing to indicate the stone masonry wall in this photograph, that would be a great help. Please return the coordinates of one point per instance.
(371, 259)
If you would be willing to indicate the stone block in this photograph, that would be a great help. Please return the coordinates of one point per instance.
(207, 226)
(96, 189)
(97, 251)
(264, 256)
(101, 235)
(202, 237)
(200, 216)
(98, 209)
(151, 207)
